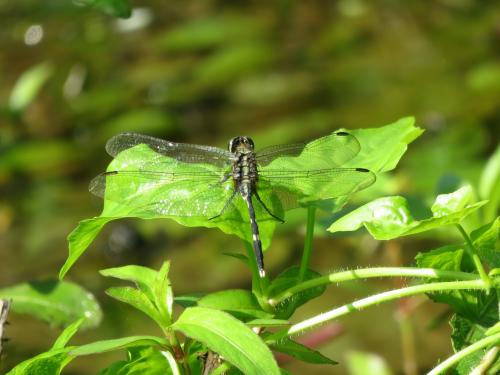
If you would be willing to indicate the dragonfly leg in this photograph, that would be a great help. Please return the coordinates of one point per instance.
(267, 209)
(226, 205)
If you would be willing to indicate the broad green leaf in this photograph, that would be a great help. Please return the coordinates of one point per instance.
(116, 8)
(230, 338)
(59, 303)
(383, 147)
(360, 363)
(302, 352)
(28, 86)
(474, 305)
(242, 304)
(390, 217)
(164, 297)
(287, 279)
(137, 299)
(465, 333)
(140, 361)
(144, 277)
(116, 344)
(485, 240)
(443, 258)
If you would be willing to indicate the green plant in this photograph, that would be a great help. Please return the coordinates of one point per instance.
(235, 331)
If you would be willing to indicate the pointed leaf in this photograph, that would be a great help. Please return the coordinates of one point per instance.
(140, 360)
(302, 352)
(116, 344)
(228, 337)
(287, 279)
(164, 297)
(144, 277)
(137, 299)
(242, 304)
(67, 334)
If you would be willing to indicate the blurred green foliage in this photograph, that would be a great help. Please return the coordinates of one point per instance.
(203, 72)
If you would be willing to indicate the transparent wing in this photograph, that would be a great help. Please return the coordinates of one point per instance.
(162, 193)
(331, 151)
(184, 152)
(292, 186)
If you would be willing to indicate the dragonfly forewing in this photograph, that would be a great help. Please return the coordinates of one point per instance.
(188, 153)
(333, 150)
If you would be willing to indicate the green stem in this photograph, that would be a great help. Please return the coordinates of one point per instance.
(469, 247)
(172, 363)
(306, 255)
(252, 263)
(376, 299)
(457, 357)
(371, 273)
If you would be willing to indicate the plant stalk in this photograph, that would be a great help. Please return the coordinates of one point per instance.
(306, 254)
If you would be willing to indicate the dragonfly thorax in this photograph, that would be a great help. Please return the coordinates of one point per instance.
(241, 145)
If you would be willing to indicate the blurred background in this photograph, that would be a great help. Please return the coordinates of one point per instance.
(205, 71)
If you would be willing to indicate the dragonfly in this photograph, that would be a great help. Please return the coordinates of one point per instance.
(188, 180)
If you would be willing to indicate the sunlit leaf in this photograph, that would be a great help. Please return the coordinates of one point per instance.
(140, 360)
(228, 337)
(390, 217)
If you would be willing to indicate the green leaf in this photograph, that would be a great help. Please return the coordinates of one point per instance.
(29, 85)
(48, 363)
(58, 303)
(242, 304)
(286, 280)
(189, 300)
(116, 344)
(302, 352)
(164, 297)
(465, 333)
(128, 196)
(80, 238)
(383, 147)
(485, 241)
(67, 334)
(139, 300)
(140, 361)
(143, 277)
(477, 306)
(493, 330)
(360, 363)
(489, 185)
(53, 361)
(390, 217)
(228, 337)
(115, 8)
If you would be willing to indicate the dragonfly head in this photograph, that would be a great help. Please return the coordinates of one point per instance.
(241, 144)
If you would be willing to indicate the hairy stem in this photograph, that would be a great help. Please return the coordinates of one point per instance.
(375, 300)
(457, 357)
(366, 273)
